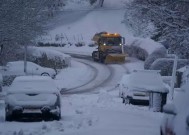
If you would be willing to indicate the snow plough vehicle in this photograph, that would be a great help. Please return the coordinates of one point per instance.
(110, 48)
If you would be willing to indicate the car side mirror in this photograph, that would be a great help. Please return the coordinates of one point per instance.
(170, 109)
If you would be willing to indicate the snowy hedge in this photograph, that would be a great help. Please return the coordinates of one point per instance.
(7, 80)
(165, 65)
(141, 48)
(135, 51)
(93, 1)
(164, 21)
(55, 63)
(159, 53)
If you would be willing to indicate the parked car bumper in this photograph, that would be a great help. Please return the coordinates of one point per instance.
(21, 111)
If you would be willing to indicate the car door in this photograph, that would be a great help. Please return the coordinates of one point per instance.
(33, 69)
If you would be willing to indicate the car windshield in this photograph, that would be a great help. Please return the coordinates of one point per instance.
(112, 41)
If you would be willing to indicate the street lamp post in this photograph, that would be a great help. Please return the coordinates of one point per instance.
(173, 78)
(25, 58)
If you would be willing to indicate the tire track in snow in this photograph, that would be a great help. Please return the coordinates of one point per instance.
(115, 71)
(96, 82)
(126, 69)
(95, 70)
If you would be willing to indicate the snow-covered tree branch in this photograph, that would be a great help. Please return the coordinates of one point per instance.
(168, 21)
(21, 22)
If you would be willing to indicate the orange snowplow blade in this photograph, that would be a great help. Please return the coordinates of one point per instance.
(115, 58)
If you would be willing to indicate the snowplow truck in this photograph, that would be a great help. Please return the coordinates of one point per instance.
(110, 48)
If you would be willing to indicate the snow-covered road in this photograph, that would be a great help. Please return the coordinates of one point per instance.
(93, 76)
(97, 110)
(83, 22)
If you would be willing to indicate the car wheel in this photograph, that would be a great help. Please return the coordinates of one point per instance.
(45, 74)
(57, 117)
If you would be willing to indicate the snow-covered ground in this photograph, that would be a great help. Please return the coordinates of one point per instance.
(91, 114)
(100, 113)
(87, 113)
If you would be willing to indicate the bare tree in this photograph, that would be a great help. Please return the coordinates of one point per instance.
(21, 22)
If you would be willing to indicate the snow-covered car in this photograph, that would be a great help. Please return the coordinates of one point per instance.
(135, 87)
(17, 68)
(176, 114)
(29, 95)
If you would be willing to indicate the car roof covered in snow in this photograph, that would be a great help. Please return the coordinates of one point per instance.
(33, 84)
(144, 80)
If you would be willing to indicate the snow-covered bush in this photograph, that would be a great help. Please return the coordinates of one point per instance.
(21, 22)
(41, 44)
(79, 44)
(160, 53)
(141, 47)
(165, 65)
(92, 1)
(135, 51)
(8, 79)
(136, 18)
(49, 58)
(165, 20)
(11, 52)
(55, 63)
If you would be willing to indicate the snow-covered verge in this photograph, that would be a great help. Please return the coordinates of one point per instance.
(145, 43)
(84, 50)
(77, 4)
(94, 114)
(52, 54)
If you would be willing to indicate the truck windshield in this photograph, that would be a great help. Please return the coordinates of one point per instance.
(112, 41)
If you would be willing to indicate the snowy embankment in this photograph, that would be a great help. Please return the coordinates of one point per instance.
(52, 54)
